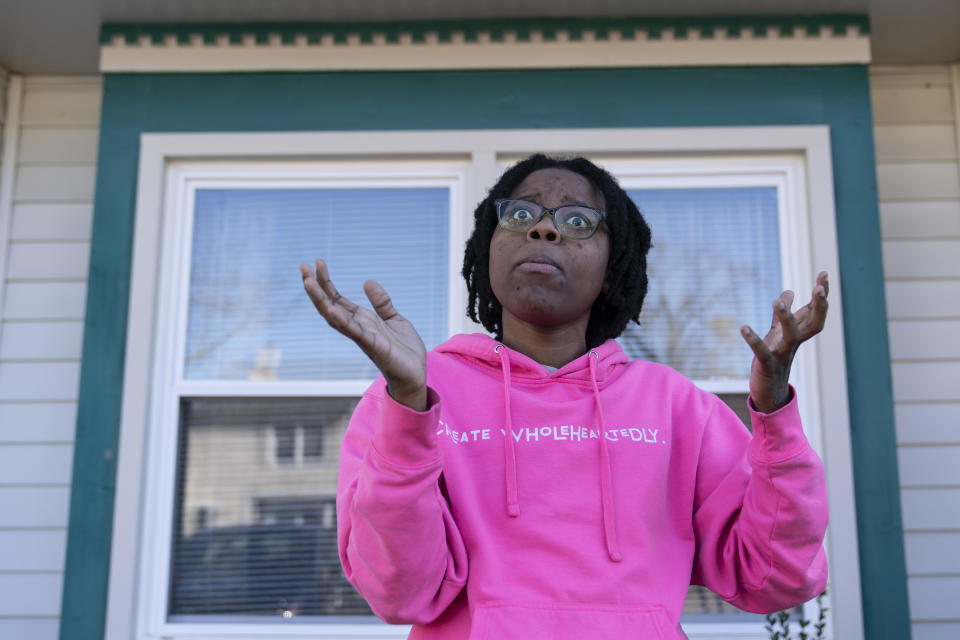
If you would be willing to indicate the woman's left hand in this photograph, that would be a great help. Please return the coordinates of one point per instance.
(773, 354)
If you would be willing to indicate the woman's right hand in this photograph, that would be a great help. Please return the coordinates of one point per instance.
(385, 336)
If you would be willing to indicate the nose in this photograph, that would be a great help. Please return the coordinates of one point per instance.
(545, 229)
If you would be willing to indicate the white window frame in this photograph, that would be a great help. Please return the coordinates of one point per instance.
(799, 155)
(184, 179)
(299, 458)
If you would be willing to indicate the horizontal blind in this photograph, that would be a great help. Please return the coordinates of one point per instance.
(714, 266)
(703, 605)
(249, 317)
(255, 520)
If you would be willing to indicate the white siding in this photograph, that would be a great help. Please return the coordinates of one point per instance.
(29, 595)
(935, 631)
(919, 186)
(41, 333)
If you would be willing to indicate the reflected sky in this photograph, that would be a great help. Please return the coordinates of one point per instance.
(714, 266)
(249, 317)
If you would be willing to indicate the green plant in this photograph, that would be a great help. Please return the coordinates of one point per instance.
(778, 624)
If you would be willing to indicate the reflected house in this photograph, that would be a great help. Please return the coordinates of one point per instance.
(246, 462)
(241, 468)
(257, 521)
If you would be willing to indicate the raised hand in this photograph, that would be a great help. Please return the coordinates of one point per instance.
(387, 338)
(773, 354)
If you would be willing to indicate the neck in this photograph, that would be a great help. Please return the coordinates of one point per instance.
(553, 346)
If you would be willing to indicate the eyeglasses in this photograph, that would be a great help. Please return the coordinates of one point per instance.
(575, 221)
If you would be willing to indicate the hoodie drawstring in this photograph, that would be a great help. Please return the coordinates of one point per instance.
(510, 458)
(606, 481)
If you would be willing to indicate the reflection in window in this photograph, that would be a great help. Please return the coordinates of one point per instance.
(253, 539)
(312, 442)
(296, 443)
(248, 317)
(714, 266)
(285, 437)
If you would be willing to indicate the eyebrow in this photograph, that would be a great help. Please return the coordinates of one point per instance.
(576, 203)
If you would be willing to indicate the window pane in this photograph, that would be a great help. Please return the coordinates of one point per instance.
(286, 443)
(714, 266)
(703, 605)
(738, 402)
(312, 442)
(249, 317)
(253, 537)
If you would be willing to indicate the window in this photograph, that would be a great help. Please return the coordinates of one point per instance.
(261, 542)
(259, 389)
(246, 317)
(714, 265)
(246, 392)
(266, 545)
(285, 449)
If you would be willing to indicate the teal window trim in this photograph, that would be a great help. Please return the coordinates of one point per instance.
(836, 96)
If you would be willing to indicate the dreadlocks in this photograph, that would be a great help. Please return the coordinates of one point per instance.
(626, 268)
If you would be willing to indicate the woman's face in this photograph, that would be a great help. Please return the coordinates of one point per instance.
(540, 277)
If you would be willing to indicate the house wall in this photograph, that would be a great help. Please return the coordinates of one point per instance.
(41, 317)
(915, 128)
(837, 96)
(43, 303)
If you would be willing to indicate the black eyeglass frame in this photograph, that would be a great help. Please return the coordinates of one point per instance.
(499, 202)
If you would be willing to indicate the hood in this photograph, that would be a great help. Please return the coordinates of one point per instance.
(482, 348)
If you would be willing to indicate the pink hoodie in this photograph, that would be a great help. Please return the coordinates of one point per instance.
(555, 532)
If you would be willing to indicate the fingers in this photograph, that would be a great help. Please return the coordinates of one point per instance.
(317, 295)
(786, 319)
(788, 330)
(393, 346)
(323, 278)
(312, 286)
(818, 305)
(379, 299)
(787, 298)
(757, 345)
(335, 309)
(812, 317)
(820, 291)
(822, 282)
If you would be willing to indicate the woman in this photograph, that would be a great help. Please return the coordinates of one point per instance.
(540, 484)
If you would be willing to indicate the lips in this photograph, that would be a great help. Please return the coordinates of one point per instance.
(538, 262)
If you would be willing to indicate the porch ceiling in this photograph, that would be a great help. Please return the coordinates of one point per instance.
(61, 36)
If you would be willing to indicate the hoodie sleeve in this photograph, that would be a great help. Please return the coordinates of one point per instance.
(760, 511)
(398, 542)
